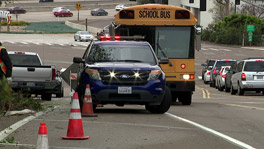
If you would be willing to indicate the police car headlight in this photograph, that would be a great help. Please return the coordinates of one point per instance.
(93, 73)
(154, 74)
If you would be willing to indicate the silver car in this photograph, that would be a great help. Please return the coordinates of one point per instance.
(220, 78)
(207, 75)
(83, 36)
(249, 76)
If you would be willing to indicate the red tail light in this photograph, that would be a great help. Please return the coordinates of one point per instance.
(220, 73)
(208, 73)
(182, 14)
(53, 74)
(117, 37)
(191, 76)
(223, 76)
(243, 77)
(214, 70)
(126, 14)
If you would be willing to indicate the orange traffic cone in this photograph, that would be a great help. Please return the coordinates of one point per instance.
(75, 127)
(87, 109)
(42, 142)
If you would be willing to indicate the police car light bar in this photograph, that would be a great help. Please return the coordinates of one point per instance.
(108, 38)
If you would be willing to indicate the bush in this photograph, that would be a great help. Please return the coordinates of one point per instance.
(232, 30)
(10, 100)
(16, 23)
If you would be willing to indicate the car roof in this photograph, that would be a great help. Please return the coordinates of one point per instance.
(226, 60)
(140, 43)
(253, 60)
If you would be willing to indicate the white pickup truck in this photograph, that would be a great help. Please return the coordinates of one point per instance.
(31, 76)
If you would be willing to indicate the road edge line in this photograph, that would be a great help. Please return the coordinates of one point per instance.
(216, 133)
(6, 132)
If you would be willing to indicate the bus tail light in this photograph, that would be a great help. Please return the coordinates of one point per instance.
(182, 14)
(187, 76)
(243, 77)
(126, 14)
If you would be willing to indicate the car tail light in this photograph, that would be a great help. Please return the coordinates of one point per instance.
(214, 70)
(208, 73)
(223, 76)
(126, 14)
(53, 73)
(220, 72)
(182, 14)
(19, 52)
(243, 77)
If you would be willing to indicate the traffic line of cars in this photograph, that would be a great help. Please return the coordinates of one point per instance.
(235, 76)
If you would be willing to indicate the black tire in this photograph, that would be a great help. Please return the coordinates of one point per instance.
(205, 82)
(226, 88)
(240, 91)
(75, 39)
(262, 92)
(186, 98)
(61, 94)
(164, 106)
(220, 88)
(232, 91)
(62, 15)
(213, 83)
(70, 15)
(202, 77)
(46, 97)
(173, 96)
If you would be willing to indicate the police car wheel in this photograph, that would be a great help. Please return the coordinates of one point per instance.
(164, 106)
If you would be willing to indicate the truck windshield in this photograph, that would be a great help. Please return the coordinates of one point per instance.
(121, 53)
(254, 66)
(24, 60)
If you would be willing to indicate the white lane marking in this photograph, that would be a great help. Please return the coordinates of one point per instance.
(248, 107)
(226, 50)
(14, 127)
(225, 137)
(213, 49)
(37, 43)
(24, 42)
(61, 44)
(48, 44)
(200, 77)
(10, 42)
(204, 49)
(129, 124)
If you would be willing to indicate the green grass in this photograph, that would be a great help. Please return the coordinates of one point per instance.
(50, 27)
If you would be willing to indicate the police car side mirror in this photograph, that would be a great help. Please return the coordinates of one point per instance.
(78, 60)
(164, 60)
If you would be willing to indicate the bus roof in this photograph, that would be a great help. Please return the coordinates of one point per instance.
(154, 15)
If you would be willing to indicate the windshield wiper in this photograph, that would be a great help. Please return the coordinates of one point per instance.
(163, 53)
(128, 60)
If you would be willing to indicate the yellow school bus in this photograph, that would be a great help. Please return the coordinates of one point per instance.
(172, 33)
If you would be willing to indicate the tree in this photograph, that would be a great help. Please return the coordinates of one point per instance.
(221, 9)
(252, 10)
(226, 4)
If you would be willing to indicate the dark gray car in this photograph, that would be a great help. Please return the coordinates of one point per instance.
(99, 12)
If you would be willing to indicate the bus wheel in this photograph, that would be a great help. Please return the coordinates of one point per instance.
(185, 98)
(164, 106)
(173, 96)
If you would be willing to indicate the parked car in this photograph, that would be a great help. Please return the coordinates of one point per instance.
(16, 10)
(121, 6)
(63, 13)
(229, 74)
(57, 9)
(220, 78)
(45, 1)
(249, 76)
(83, 36)
(209, 62)
(206, 75)
(99, 12)
(31, 76)
(216, 67)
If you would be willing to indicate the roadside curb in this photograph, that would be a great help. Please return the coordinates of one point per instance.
(6, 132)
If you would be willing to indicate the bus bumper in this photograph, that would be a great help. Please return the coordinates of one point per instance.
(182, 86)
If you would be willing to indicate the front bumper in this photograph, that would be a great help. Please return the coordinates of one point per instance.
(152, 93)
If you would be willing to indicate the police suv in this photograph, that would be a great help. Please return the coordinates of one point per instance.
(123, 72)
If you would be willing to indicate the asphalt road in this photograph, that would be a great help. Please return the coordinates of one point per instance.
(214, 120)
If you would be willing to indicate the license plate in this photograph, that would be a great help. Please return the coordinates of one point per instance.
(124, 90)
(31, 84)
(259, 77)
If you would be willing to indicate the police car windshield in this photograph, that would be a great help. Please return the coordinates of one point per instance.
(121, 53)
